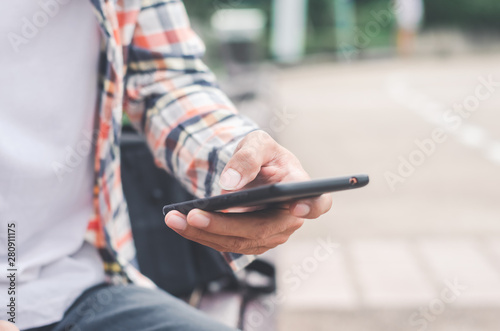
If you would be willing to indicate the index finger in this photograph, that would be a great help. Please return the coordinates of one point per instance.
(254, 225)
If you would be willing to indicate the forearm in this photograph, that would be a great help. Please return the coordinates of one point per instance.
(172, 98)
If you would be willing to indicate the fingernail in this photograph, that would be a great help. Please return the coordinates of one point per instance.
(301, 209)
(199, 220)
(230, 179)
(176, 222)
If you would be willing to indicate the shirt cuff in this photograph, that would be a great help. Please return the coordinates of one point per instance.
(238, 262)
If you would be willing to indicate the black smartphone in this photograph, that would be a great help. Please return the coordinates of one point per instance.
(270, 194)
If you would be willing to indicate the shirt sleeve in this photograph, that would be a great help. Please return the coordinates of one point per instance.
(172, 97)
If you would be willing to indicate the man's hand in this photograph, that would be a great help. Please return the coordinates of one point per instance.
(258, 160)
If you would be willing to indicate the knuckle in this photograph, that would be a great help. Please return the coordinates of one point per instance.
(288, 223)
(223, 227)
(197, 237)
(281, 240)
(263, 137)
(259, 235)
(274, 243)
(248, 154)
(188, 233)
(268, 230)
(296, 224)
(260, 230)
(236, 244)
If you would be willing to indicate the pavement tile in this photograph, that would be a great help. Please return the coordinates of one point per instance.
(310, 277)
(389, 275)
(463, 262)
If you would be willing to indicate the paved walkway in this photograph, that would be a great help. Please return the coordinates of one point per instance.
(419, 248)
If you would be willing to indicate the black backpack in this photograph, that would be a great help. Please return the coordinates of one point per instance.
(175, 264)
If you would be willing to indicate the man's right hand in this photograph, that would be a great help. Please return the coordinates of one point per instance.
(7, 326)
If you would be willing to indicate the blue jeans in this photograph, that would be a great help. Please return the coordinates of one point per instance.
(130, 307)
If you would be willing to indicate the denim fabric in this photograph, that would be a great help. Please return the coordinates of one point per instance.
(130, 307)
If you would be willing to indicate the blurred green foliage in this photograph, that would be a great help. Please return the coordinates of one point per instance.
(321, 27)
(365, 14)
(469, 15)
(203, 9)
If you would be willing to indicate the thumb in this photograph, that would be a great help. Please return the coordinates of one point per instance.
(254, 151)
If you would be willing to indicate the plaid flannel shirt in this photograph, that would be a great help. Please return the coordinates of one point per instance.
(151, 69)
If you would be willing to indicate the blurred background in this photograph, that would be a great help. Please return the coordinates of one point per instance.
(408, 92)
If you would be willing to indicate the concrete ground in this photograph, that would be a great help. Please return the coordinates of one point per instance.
(419, 248)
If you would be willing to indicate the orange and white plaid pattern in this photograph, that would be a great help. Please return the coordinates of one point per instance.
(151, 68)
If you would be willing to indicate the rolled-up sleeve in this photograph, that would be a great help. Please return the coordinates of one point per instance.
(171, 96)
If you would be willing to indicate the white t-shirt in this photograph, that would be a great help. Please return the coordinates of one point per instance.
(48, 92)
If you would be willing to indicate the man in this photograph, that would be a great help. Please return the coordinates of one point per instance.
(409, 17)
(69, 69)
